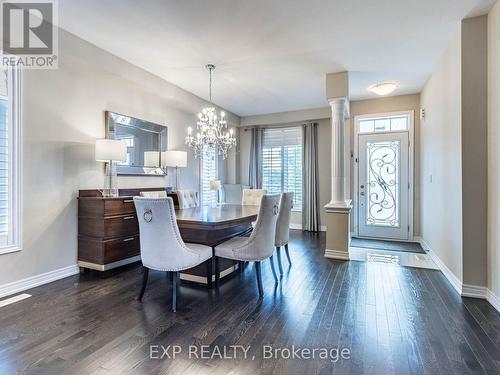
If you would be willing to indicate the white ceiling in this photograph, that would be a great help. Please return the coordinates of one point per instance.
(272, 55)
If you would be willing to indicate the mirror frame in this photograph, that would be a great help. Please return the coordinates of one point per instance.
(138, 170)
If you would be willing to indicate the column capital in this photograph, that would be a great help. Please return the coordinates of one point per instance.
(339, 105)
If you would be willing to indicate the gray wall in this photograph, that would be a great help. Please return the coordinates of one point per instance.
(494, 150)
(474, 149)
(63, 114)
(441, 166)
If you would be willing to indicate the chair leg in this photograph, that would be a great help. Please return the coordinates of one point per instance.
(217, 271)
(175, 282)
(145, 274)
(288, 255)
(271, 260)
(259, 279)
(278, 253)
(209, 272)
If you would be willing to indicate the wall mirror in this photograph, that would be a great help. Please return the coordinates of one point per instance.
(145, 143)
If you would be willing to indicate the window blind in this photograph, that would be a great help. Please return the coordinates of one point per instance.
(4, 157)
(208, 173)
(282, 162)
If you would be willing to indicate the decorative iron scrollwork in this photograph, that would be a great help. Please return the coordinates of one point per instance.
(383, 181)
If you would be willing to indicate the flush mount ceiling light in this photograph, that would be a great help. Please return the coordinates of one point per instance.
(383, 88)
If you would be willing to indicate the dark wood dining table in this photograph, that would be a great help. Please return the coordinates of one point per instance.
(210, 226)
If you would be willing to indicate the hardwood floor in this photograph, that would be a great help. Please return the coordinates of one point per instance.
(391, 319)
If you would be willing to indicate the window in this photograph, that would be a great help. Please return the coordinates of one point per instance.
(383, 124)
(10, 166)
(208, 173)
(282, 162)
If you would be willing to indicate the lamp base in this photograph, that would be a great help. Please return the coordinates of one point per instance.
(110, 187)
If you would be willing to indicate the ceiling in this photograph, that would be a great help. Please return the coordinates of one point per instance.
(272, 55)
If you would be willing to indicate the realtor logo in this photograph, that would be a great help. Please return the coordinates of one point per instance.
(29, 33)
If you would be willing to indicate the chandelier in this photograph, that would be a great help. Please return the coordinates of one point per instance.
(212, 131)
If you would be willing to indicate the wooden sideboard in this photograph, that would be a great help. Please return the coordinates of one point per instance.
(108, 231)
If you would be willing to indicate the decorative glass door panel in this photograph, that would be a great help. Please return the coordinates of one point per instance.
(383, 185)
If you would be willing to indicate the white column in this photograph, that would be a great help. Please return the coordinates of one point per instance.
(338, 106)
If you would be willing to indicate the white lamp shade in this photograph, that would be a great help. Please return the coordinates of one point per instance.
(174, 159)
(110, 149)
(215, 185)
(151, 159)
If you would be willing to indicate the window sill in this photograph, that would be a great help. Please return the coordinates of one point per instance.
(9, 249)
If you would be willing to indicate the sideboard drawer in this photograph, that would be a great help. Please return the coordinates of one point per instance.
(113, 207)
(122, 248)
(108, 227)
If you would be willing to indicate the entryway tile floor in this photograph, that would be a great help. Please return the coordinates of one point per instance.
(400, 258)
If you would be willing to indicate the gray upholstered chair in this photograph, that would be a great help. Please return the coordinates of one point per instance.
(154, 194)
(283, 227)
(233, 193)
(162, 248)
(188, 198)
(257, 247)
(252, 197)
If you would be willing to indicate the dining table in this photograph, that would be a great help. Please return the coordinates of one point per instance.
(211, 226)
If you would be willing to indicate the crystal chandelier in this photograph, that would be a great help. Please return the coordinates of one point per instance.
(211, 131)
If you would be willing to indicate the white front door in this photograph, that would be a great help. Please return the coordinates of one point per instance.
(383, 191)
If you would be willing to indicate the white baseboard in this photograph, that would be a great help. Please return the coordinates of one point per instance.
(465, 290)
(322, 228)
(454, 281)
(336, 254)
(34, 281)
(474, 291)
(493, 299)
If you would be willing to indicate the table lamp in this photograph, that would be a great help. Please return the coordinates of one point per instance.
(174, 159)
(215, 185)
(110, 151)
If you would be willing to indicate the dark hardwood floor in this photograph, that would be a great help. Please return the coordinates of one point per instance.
(393, 320)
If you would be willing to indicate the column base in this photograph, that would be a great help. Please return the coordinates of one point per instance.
(338, 233)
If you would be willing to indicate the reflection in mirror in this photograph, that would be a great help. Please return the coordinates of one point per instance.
(145, 142)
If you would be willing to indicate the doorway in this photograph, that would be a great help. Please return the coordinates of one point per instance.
(383, 196)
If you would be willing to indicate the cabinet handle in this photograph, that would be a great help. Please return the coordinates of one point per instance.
(128, 217)
(129, 239)
(128, 201)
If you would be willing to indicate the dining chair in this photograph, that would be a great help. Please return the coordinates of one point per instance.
(257, 247)
(162, 248)
(188, 198)
(283, 227)
(154, 194)
(252, 197)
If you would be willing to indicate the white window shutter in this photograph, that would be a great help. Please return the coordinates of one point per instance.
(282, 162)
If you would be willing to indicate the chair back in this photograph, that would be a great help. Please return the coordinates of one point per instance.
(162, 247)
(252, 197)
(154, 194)
(262, 238)
(283, 222)
(233, 193)
(188, 198)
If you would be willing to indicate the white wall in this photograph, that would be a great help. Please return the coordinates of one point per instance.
(440, 159)
(494, 149)
(63, 114)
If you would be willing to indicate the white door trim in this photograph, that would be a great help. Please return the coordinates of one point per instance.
(411, 157)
